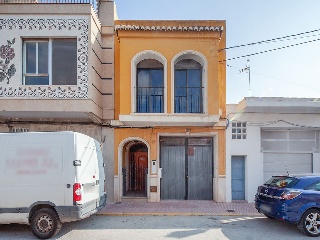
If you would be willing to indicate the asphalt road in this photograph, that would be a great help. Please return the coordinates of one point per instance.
(165, 227)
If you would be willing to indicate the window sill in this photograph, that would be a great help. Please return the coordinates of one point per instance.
(164, 119)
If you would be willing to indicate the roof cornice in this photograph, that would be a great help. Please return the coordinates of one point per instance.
(169, 28)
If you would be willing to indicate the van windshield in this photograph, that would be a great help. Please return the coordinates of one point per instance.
(282, 181)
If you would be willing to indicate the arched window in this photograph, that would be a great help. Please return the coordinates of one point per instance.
(188, 87)
(149, 87)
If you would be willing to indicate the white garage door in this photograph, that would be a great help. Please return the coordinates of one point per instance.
(280, 163)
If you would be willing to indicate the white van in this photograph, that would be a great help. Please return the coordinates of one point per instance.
(47, 178)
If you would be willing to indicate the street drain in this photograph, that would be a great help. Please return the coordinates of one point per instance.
(231, 210)
(117, 202)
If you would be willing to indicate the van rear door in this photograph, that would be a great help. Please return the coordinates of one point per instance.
(102, 181)
(87, 185)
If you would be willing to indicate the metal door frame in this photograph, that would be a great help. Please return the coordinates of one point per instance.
(186, 146)
(243, 159)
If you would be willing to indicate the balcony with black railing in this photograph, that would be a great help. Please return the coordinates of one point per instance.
(150, 100)
(188, 100)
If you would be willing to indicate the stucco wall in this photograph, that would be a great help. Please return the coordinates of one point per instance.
(170, 44)
(151, 137)
(250, 148)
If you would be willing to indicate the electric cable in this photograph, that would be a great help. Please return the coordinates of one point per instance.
(270, 50)
(270, 40)
(256, 73)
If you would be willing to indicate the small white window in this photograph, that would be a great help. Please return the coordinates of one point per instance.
(239, 130)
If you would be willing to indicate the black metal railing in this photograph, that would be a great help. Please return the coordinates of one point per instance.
(150, 99)
(189, 100)
(94, 3)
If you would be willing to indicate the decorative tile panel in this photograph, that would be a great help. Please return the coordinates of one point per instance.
(22, 91)
(52, 91)
(7, 70)
(42, 92)
(72, 92)
(32, 91)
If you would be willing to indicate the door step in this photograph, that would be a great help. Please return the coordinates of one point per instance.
(134, 199)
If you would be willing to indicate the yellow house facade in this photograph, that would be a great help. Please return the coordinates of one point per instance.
(170, 110)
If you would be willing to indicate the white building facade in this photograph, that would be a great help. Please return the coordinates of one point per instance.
(270, 136)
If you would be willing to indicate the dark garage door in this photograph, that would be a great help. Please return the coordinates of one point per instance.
(187, 168)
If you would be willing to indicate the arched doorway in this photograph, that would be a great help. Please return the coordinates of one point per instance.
(135, 170)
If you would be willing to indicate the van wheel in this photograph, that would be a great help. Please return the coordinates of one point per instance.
(45, 223)
(310, 222)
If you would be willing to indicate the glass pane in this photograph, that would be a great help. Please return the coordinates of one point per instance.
(143, 78)
(199, 141)
(156, 77)
(194, 100)
(180, 104)
(282, 181)
(180, 83)
(36, 80)
(31, 57)
(194, 78)
(64, 62)
(180, 78)
(42, 57)
(150, 91)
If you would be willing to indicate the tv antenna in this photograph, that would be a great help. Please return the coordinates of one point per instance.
(247, 70)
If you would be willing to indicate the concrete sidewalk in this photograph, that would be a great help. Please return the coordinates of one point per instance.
(180, 207)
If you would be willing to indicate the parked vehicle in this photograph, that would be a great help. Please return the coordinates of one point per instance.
(48, 178)
(295, 199)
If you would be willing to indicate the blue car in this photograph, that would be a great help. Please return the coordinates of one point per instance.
(294, 199)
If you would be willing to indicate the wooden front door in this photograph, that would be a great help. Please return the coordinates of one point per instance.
(141, 161)
(138, 171)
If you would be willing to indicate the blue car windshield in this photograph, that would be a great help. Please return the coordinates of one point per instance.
(282, 181)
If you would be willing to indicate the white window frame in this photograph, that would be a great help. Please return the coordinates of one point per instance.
(200, 58)
(49, 74)
(147, 54)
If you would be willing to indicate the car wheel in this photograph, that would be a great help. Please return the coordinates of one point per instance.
(45, 223)
(310, 222)
(269, 216)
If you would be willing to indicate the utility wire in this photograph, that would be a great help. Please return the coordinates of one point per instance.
(271, 50)
(295, 38)
(256, 73)
(270, 40)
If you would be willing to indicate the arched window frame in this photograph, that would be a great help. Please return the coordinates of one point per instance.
(200, 58)
(147, 54)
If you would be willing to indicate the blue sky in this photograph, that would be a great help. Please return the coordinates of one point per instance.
(291, 72)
